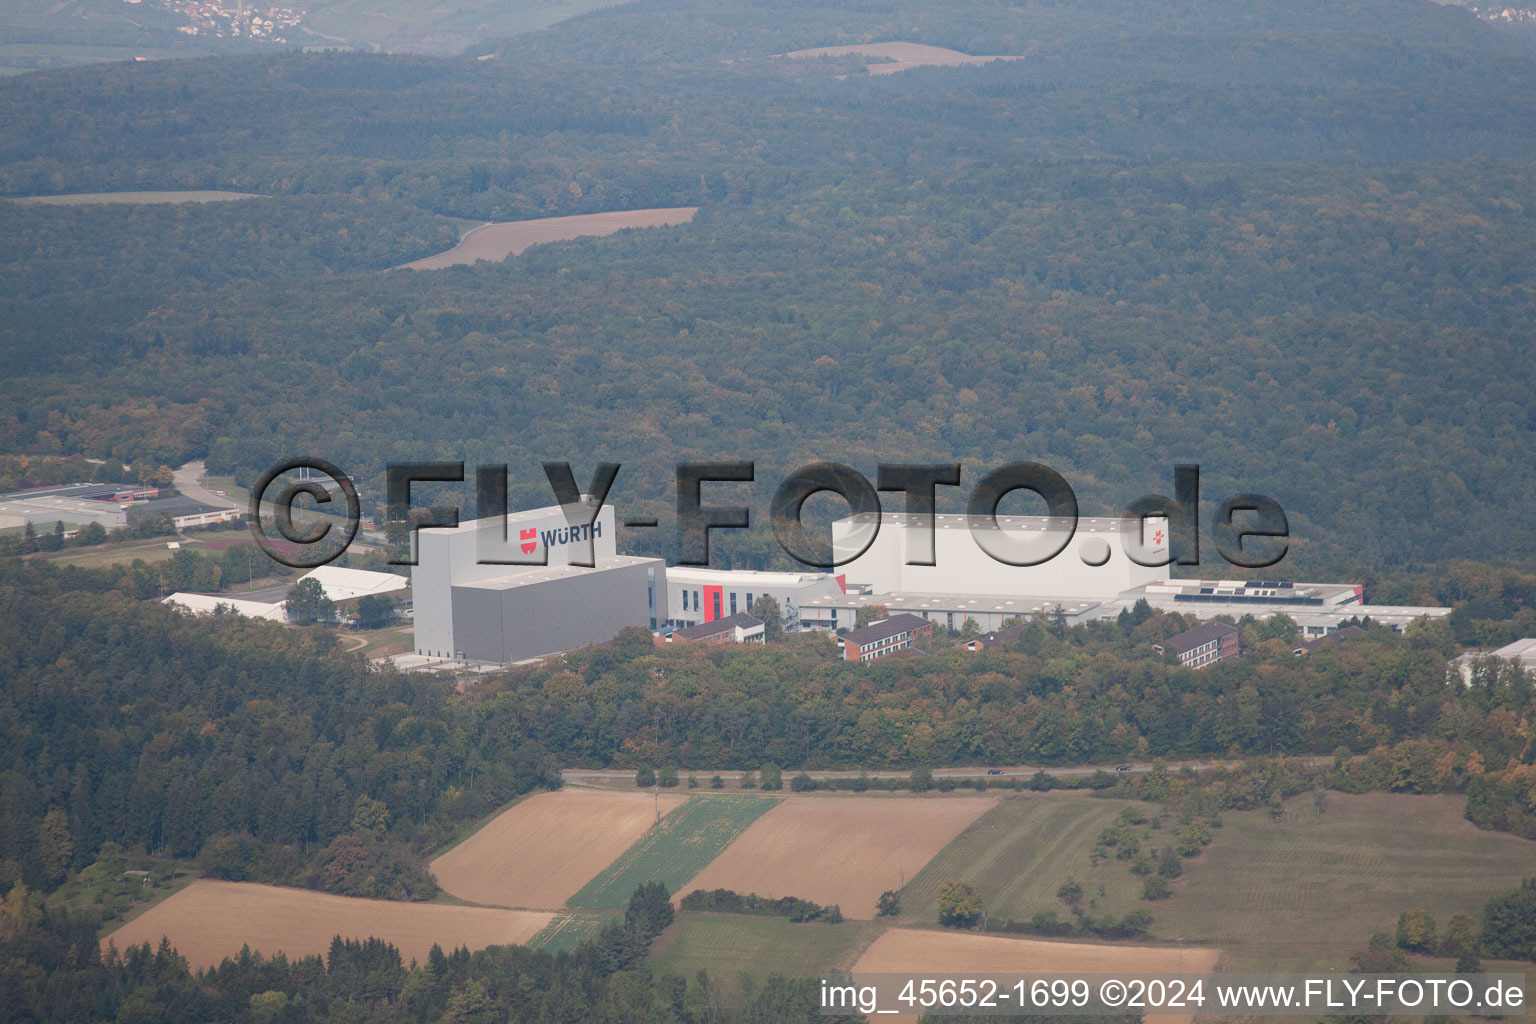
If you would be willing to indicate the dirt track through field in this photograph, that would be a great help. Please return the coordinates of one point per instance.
(900, 56)
(543, 849)
(838, 849)
(905, 950)
(496, 242)
(208, 921)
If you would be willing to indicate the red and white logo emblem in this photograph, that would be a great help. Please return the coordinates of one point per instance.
(530, 539)
(1157, 539)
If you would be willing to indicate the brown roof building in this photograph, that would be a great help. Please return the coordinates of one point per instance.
(1202, 646)
(884, 637)
(740, 628)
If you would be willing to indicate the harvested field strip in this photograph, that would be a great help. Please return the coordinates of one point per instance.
(495, 242)
(843, 850)
(674, 851)
(208, 921)
(900, 56)
(542, 849)
(89, 198)
(904, 950)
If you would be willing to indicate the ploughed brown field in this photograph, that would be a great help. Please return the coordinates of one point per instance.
(900, 56)
(840, 849)
(208, 921)
(538, 852)
(925, 951)
(496, 242)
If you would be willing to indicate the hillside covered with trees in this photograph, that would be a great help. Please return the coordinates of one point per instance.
(266, 755)
(1303, 260)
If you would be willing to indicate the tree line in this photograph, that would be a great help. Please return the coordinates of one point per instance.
(51, 968)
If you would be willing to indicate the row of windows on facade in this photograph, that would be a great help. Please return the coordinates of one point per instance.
(698, 603)
(881, 651)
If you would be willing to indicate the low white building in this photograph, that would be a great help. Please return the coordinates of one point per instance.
(209, 604)
(698, 595)
(946, 611)
(343, 585)
(1317, 608)
(1521, 654)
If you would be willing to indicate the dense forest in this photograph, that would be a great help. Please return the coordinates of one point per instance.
(1308, 275)
(257, 748)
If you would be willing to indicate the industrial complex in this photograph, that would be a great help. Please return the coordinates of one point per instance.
(481, 595)
(111, 506)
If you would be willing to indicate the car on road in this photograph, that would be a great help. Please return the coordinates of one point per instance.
(994, 771)
(1122, 767)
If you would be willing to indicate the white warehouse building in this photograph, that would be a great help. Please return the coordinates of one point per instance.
(1093, 566)
(698, 595)
(1091, 578)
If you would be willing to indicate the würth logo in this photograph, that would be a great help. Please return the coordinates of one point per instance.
(530, 540)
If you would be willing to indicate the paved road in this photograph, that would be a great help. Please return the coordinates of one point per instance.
(580, 775)
(591, 776)
(186, 482)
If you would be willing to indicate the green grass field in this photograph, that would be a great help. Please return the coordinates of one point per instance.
(730, 945)
(383, 643)
(239, 534)
(674, 851)
(1308, 891)
(1019, 853)
(85, 198)
(570, 930)
(115, 554)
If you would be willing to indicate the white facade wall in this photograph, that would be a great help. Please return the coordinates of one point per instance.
(963, 567)
(690, 591)
(223, 515)
(449, 557)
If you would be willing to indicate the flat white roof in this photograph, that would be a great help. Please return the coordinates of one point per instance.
(960, 521)
(1168, 588)
(743, 577)
(1303, 614)
(513, 518)
(543, 574)
(50, 503)
(1520, 650)
(205, 604)
(341, 584)
(974, 603)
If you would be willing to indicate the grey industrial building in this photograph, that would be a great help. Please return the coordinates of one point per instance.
(110, 506)
(539, 612)
(471, 602)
